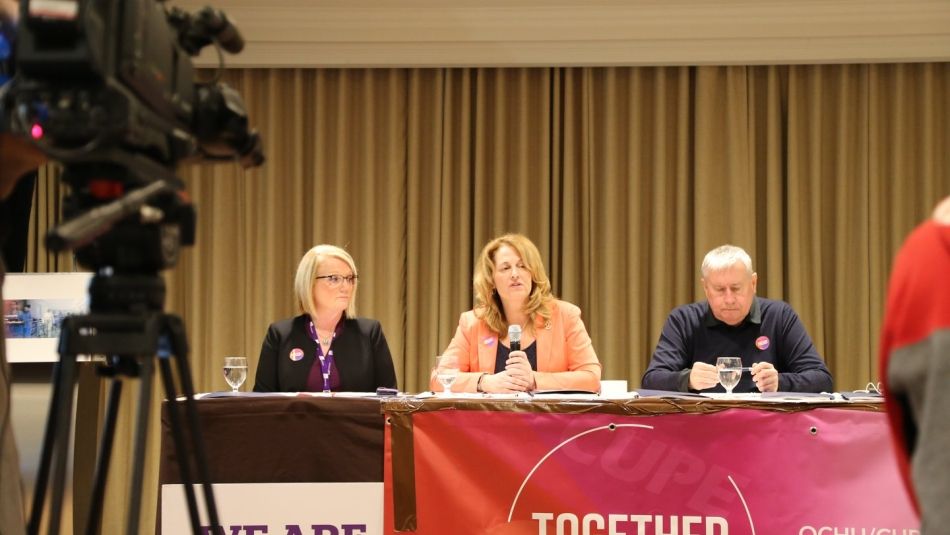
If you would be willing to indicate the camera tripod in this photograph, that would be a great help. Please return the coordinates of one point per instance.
(126, 241)
(131, 340)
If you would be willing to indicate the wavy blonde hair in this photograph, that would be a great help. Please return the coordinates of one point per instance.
(307, 270)
(488, 303)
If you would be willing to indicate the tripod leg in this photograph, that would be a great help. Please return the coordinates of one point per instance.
(146, 370)
(105, 455)
(184, 459)
(60, 441)
(179, 348)
(46, 454)
(197, 443)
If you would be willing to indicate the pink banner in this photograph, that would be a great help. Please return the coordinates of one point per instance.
(737, 472)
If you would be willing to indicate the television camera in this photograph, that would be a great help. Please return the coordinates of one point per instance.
(107, 88)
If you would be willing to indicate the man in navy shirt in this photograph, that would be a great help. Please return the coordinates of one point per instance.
(734, 322)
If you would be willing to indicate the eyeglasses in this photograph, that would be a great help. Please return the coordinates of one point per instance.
(335, 280)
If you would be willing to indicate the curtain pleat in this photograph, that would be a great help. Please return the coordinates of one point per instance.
(624, 178)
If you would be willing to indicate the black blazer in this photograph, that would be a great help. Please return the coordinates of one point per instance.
(361, 356)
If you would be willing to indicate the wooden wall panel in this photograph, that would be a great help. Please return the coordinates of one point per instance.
(439, 33)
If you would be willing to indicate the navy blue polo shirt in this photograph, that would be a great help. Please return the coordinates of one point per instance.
(772, 332)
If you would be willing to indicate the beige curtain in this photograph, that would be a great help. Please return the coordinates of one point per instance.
(624, 177)
(46, 213)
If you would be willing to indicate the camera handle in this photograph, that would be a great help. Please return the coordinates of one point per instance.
(131, 341)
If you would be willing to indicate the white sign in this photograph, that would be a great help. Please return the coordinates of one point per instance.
(281, 509)
(34, 305)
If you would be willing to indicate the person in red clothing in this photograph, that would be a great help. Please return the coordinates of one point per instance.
(915, 366)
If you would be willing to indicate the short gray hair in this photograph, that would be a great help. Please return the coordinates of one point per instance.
(307, 270)
(724, 257)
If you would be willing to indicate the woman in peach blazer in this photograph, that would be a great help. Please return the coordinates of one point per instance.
(512, 288)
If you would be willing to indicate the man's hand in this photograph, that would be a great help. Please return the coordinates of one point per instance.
(765, 376)
(703, 376)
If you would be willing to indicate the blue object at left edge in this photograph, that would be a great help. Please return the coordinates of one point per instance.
(6, 53)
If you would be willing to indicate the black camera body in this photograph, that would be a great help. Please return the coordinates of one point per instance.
(112, 77)
(117, 74)
(107, 88)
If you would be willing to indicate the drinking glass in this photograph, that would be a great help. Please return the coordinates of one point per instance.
(235, 372)
(446, 370)
(730, 371)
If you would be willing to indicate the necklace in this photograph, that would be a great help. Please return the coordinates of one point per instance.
(318, 338)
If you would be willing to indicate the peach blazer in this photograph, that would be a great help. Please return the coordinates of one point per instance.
(566, 358)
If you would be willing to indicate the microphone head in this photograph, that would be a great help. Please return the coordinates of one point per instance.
(514, 337)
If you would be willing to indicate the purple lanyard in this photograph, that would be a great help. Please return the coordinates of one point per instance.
(326, 362)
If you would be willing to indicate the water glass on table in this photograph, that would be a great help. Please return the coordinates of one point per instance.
(235, 372)
(730, 371)
(446, 370)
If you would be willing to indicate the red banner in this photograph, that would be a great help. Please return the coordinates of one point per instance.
(737, 472)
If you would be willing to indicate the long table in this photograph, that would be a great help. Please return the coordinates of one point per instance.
(251, 439)
(572, 466)
(324, 454)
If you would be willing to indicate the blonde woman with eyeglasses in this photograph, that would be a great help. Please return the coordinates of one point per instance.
(326, 348)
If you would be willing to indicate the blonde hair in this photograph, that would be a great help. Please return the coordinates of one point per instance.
(307, 271)
(488, 303)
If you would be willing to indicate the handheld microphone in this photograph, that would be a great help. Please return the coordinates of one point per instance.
(514, 337)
